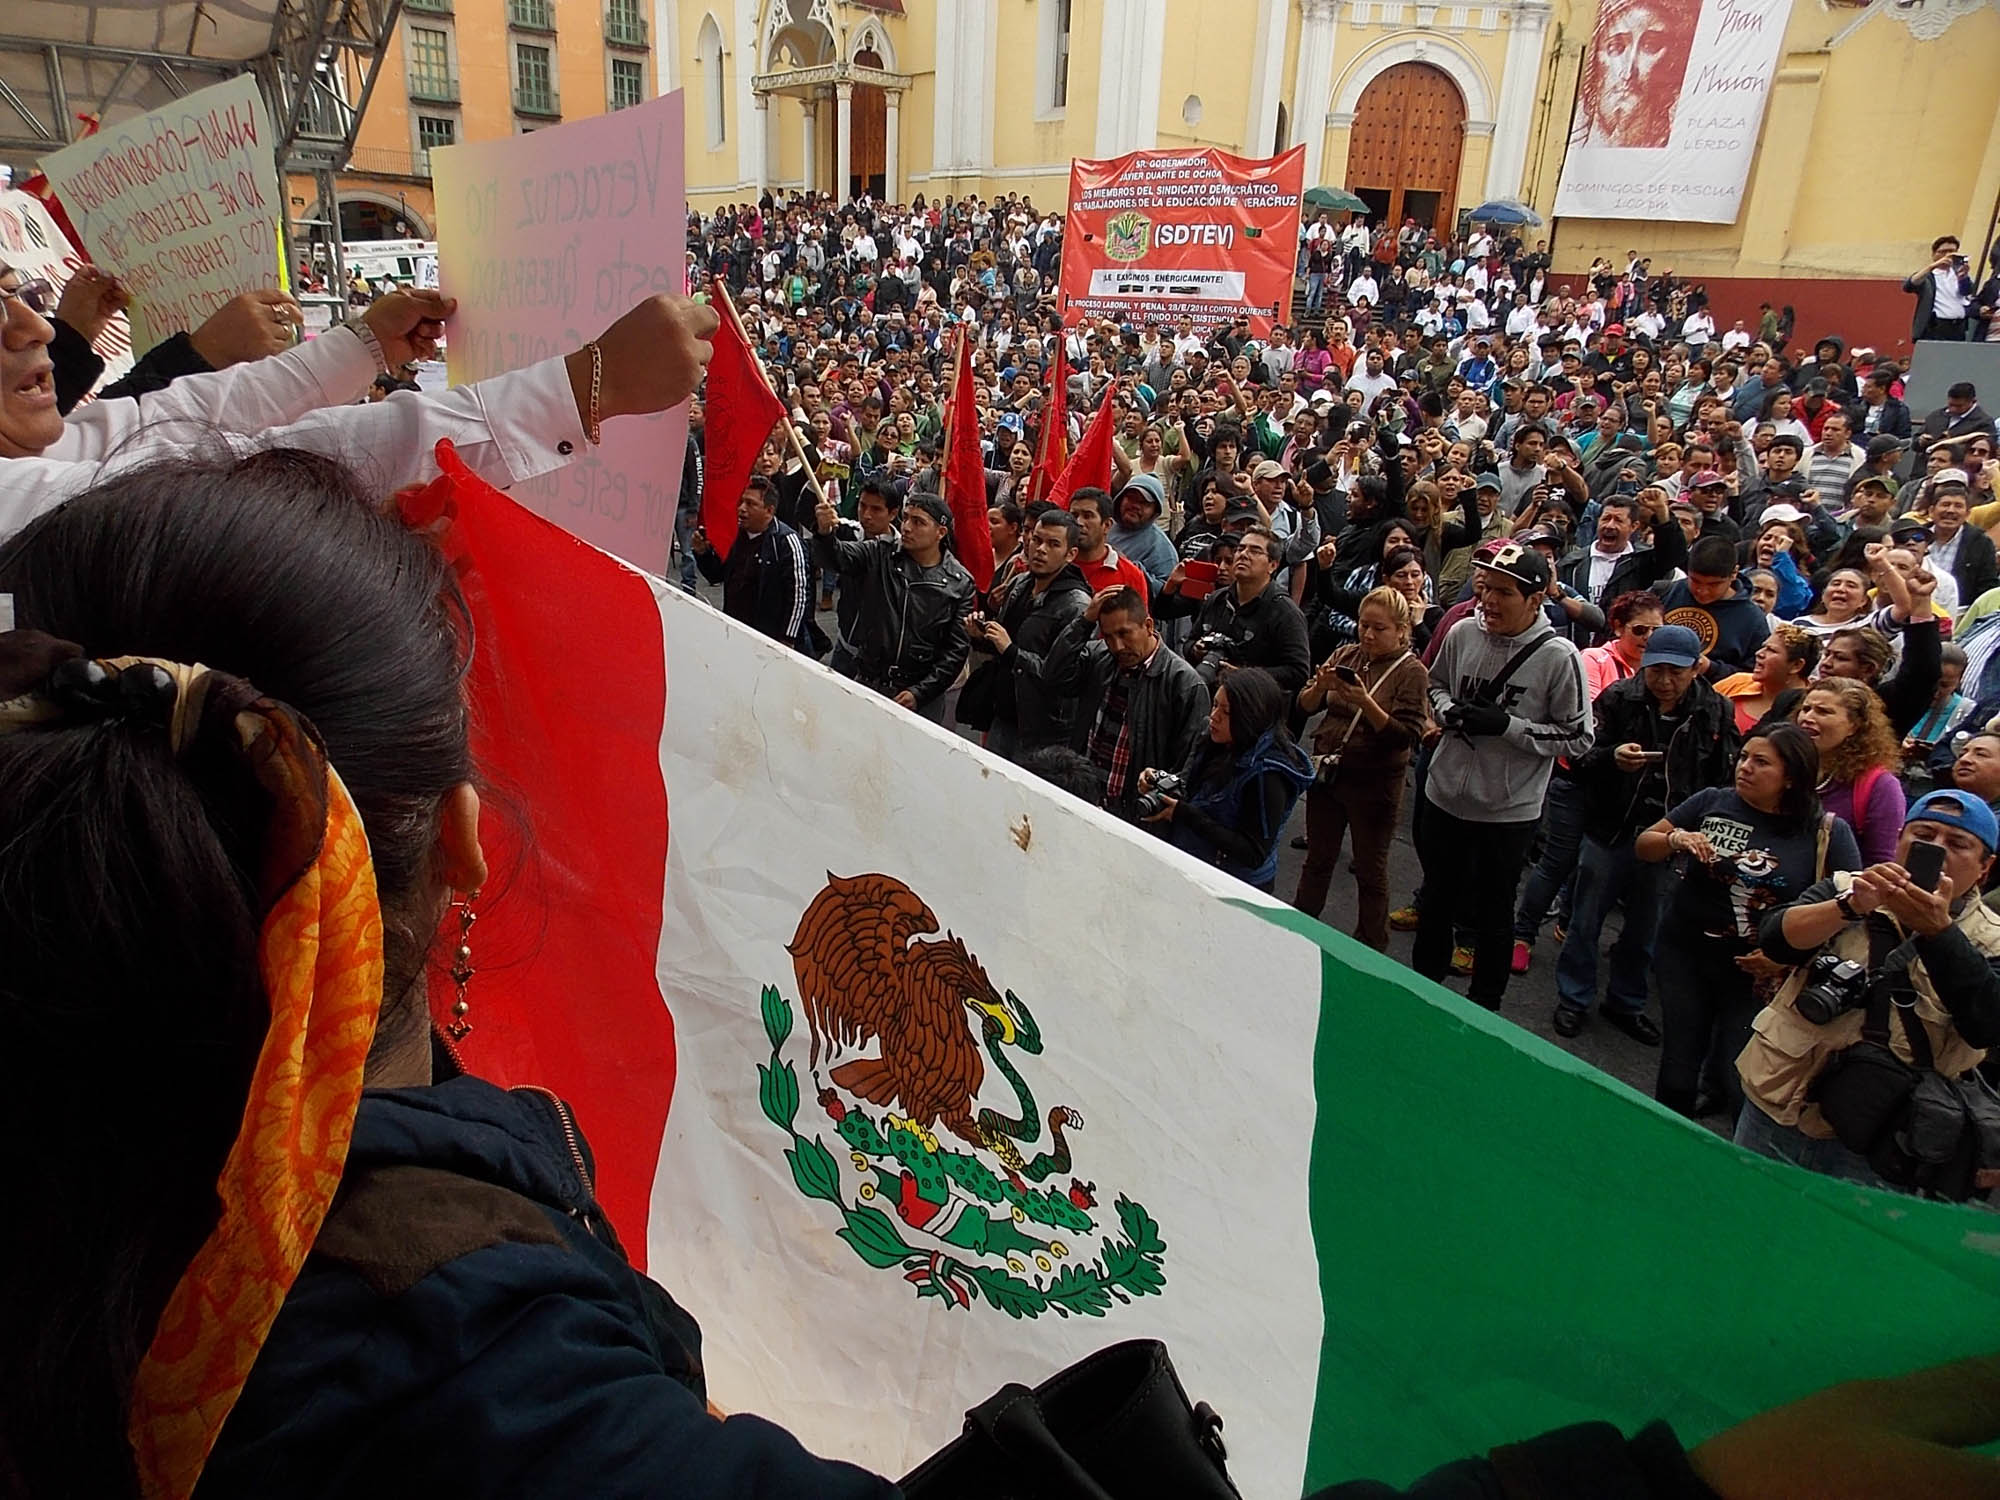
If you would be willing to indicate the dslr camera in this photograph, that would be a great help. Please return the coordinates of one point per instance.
(1214, 643)
(1833, 985)
(1166, 784)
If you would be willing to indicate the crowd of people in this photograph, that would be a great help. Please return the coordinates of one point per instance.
(1697, 630)
(1653, 627)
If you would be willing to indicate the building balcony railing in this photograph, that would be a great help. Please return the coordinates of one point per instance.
(531, 15)
(530, 101)
(434, 88)
(624, 29)
(386, 161)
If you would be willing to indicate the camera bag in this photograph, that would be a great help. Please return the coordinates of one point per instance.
(1865, 1089)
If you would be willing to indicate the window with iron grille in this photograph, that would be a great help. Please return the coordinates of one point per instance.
(534, 79)
(628, 83)
(430, 64)
(432, 130)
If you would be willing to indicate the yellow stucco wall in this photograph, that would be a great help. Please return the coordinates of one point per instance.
(1870, 149)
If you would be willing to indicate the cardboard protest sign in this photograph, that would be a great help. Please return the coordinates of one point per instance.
(33, 244)
(546, 239)
(182, 204)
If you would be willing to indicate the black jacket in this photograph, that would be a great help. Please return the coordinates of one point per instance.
(1941, 424)
(1268, 632)
(910, 633)
(766, 583)
(1894, 421)
(78, 366)
(467, 1325)
(1033, 623)
(1924, 286)
(1701, 752)
(1167, 705)
(1976, 568)
(1641, 568)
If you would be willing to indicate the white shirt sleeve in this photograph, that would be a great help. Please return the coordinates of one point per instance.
(507, 429)
(329, 370)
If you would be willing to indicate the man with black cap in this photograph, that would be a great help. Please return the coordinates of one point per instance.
(1510, 693)
(909, 636)
(1136, 533)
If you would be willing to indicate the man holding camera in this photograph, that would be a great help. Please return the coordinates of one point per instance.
(1509, 691)
(1861, 1066)
(1943, 290)
(1139, 706)
(1253, 622)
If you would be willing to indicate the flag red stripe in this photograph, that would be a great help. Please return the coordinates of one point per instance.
(568, 693)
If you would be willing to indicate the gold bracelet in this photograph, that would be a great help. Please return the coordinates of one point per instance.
(593, 428)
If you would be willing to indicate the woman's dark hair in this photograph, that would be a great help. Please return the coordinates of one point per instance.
(1256, 704)
(130, 989)
(1619, 612)
(1397, 559)
(1798, 807)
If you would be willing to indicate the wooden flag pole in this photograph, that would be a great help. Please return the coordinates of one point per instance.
(791, 432)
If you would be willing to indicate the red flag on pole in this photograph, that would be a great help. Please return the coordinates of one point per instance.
(1052, 450)
(1090, 464)
(965, 473)
(741, 411)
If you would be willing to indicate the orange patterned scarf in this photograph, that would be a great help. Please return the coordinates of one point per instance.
(320, 952)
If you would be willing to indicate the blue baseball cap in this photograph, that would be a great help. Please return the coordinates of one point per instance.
(1671, 646)
(1956, 810)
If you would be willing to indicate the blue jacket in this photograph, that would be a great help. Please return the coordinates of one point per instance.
(466, 1325)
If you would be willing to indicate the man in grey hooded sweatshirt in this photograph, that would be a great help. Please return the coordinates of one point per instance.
(1136, 533)
(1509, 691)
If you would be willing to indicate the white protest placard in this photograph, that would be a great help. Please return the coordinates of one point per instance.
(546, 239)
(1668, 109)
(33, 244)
(182, 204)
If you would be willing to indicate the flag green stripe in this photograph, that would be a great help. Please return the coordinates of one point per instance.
(1510, 1240)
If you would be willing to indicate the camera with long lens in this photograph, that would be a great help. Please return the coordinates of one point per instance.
(1166, 785)
(1833, 986)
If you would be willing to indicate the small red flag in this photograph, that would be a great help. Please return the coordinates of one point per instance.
(1052, 451)
(965, 473)
(741, 411)
(1091, 463)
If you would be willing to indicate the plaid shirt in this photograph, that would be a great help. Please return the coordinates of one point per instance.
(1110, 744)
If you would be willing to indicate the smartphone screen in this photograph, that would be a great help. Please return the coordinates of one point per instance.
(1925, 864)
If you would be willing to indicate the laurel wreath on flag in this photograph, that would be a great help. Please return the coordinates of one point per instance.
(1127, 1268)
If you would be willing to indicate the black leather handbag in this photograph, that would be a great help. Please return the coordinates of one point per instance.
(1116, 1425)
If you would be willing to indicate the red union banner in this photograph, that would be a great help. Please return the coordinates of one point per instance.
(1162, 235)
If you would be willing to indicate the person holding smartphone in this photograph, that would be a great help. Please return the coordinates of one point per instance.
(1662, 735)
(1902, 955)
(1944, 292)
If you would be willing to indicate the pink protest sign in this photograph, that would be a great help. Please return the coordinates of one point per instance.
(546, 239)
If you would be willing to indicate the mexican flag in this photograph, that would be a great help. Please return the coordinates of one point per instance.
(910, 1075)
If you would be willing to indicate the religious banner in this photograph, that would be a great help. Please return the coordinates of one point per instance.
(968, 1078)
(546, 239)
(182, 204)
(1668, 109)
(1155, 236)
(33, 244)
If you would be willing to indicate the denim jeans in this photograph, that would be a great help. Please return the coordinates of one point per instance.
(683, 529)
(1562, 837)
(1758, 1132)
(1315, 291)
(1604, 877)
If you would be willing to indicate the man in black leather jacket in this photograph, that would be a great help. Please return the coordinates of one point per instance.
(909, 639)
